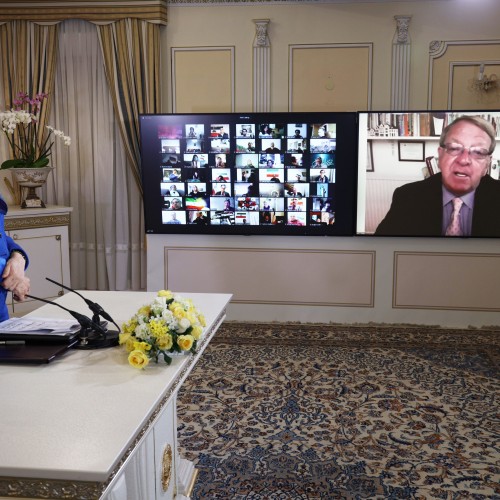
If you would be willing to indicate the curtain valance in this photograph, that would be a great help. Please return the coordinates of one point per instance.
(95, 11)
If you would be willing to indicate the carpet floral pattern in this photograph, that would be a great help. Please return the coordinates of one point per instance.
(323, 412)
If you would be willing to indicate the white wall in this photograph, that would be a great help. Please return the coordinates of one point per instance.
(398, 293)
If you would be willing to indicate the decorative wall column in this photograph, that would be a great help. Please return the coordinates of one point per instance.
(261, 67)
(401, 54)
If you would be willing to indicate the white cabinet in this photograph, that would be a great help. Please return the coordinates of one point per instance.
(165, 451)
(150, 472)
(43, 234)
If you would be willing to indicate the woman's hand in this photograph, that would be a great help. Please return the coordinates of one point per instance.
(13, 277)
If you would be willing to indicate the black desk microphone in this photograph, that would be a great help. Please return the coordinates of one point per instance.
(92, 335)
(96, 309)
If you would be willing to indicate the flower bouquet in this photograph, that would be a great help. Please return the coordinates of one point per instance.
(31, 147)
(170, 324)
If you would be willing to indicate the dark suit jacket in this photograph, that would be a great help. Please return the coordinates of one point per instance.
(417, 209)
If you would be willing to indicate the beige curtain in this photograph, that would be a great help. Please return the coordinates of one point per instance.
(27, 65)
(105, 77)
(131, 50)
(94, 175)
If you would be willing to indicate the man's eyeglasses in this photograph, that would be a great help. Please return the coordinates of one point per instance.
(476, 153)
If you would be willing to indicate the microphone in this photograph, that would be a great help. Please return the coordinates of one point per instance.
(94, 307)
(92, 335)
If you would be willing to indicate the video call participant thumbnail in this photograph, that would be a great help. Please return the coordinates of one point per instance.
(458, 201)
(178, 217)
(199, 218)
(245, 130)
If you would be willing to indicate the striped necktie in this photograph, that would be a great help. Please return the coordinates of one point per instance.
(453, 228)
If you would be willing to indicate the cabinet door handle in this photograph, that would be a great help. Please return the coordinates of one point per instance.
(166, 467)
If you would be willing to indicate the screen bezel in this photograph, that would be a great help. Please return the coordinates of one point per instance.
(345, 169)
(366, 156)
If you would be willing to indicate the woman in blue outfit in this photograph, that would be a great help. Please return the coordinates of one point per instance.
(13, 262)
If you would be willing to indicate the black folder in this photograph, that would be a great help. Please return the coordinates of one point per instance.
(33, 353)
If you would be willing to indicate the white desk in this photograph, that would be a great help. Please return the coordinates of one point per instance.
(88, 425)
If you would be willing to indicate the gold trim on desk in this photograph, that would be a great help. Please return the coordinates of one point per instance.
(190, 488)
(36, 222)
(41, 488)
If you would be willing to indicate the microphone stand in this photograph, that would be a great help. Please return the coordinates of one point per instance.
(92, 335)
(96, 309)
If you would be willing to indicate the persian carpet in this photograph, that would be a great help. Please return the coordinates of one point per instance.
(294, 411)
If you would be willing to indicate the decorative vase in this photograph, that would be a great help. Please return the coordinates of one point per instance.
(31, 178)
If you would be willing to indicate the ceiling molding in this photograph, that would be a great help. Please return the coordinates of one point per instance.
(283, 2)
(97, 11)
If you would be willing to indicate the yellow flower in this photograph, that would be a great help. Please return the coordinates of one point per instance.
(191, 316)
(178, 312)
(129, 326)
(144, 310)
(123, 337)
(165, 342)
(161, 326)
(196, 332)
(129, 344)
(185, 342)
(138, 359)
(142, 346)
(158, 327)
(166, 293)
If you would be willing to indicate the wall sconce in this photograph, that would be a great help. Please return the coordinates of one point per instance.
(484, 83)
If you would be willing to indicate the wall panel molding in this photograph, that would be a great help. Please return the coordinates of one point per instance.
(445, 281)
(442, 54)
(274, 276)
(203, 79)
(329, 85)
(458, 83)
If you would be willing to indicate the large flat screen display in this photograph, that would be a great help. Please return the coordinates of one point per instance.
(414, 167)
(250, 173)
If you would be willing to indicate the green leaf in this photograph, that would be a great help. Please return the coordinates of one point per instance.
(25, 163)
(15, 163)
(40, 163)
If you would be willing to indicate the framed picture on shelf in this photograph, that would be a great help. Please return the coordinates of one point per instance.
(411, 150)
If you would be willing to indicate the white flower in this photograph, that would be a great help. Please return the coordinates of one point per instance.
(59, 133)
(29, 149)
(151, 322)
(184, 324)
(167, 316)
(11, 119)
(158, 306)
(142, 319)
(142, 330)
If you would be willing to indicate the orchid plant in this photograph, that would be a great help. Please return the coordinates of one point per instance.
(30, 148)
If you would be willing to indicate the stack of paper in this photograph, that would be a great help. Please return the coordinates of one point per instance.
(34, 328)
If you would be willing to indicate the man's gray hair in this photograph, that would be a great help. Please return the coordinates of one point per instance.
(478, 121)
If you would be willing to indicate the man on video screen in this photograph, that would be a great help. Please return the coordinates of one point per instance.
(461, 200)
